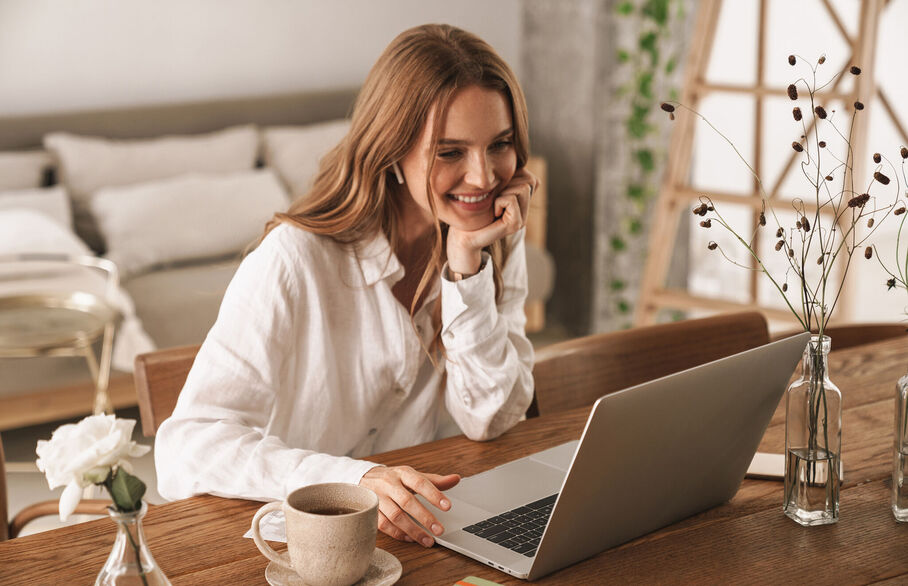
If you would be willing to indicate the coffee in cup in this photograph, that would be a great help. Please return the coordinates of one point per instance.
(331, 532)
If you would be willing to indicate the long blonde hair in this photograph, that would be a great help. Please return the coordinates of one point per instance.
(355, 193)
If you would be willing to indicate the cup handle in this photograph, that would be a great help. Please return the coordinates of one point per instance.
(260, 543)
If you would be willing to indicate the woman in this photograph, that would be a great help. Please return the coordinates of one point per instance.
(385, 303)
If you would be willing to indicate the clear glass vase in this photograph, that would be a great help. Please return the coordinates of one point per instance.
(130, 561)
(813, 440)
(900, 452)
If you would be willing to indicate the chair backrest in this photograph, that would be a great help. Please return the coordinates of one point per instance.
(160, 377)
(576, 372)
(849, 335)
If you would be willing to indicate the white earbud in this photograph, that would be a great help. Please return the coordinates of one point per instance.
(397, 172)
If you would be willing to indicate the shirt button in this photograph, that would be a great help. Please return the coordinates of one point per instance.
(373, 431)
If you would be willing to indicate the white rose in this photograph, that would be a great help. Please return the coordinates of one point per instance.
(82, 454)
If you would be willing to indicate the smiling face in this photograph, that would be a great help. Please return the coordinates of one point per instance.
(474, 161)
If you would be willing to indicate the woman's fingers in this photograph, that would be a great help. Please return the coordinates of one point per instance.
(398, 506)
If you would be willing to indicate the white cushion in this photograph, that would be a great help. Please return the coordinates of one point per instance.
(294, 151)
(50, 201)
(87, 164)
(23, 169)
(184, 218)
(26, 231)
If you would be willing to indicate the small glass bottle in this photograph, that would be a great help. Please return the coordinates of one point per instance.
(900, 452)
(813, 440)
(130, 561)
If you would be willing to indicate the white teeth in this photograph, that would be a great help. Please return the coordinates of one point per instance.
(471, 198)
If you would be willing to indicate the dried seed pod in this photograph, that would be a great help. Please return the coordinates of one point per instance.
(762, 219)
(899, 211)
(904, 153)
(798, 224)
(710, 208)
(698, 211)
(829, 178)
(707, 223)
(712, 246)
(797, 146)
(822, 144)
(805, 224)
(792, 60)
(779, 245)
(792, 92)
(821, 113)
(870, 223)
(821, 60)
(859, 105)
(667, 107)
(881, 178)
(791, 253)
(796, 112)
(868, 252)
(779, 233)
(890, 283)
(671, 115)
(820, 260)
(877, 158)
(784, 287)
(858, 201)
(855, 70)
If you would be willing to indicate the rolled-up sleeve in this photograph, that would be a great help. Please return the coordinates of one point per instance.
(489, 358)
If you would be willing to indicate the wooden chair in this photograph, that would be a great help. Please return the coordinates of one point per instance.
(576, 372)
(160, 377)
(10, 529)
(848, 335)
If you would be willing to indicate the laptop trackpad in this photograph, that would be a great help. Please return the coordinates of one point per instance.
(511, 485)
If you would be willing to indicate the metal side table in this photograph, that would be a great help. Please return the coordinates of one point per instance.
(63, 323)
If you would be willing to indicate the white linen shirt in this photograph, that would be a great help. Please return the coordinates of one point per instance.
(313, 363)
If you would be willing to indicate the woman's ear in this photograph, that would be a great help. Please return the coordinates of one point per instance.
(397, 172)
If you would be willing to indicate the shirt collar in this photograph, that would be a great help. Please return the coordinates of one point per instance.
(377, 261)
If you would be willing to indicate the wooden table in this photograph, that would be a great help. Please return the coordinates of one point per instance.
(199, 541)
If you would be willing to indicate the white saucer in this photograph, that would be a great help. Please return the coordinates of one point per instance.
(384, 570)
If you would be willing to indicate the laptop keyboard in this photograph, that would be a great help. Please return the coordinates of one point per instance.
(519, 529)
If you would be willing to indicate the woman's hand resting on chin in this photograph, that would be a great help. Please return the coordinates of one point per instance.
(511, 207)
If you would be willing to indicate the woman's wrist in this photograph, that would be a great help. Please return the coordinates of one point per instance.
(462, 259)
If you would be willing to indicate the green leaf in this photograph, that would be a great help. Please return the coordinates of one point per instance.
(623, 56)
(645, 159)
(625, 8)
(617, 285)
(126, 490)
(673, 94)
(657, 10)
(635, 226)
(618, 243)
(624, 306)
(645, 84)
(648, 43)
(637, 126)
(636, 191)
(672, 63)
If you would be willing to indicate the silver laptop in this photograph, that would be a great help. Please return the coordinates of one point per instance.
(650, 455)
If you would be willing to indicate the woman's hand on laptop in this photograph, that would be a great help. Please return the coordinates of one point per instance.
(397, 487)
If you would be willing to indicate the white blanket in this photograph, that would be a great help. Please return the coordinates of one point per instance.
(28, 231)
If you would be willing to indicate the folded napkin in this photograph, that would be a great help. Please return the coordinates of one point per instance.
(272, 527)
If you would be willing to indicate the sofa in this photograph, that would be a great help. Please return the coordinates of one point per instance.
(175, 194)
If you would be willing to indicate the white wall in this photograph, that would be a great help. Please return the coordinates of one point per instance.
(58, 55)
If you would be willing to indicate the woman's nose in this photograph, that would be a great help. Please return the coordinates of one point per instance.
(479, 172)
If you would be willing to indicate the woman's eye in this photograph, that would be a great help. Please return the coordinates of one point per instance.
(501, 145)
(448, 155)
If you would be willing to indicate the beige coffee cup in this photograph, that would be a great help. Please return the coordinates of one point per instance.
(330, 532)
